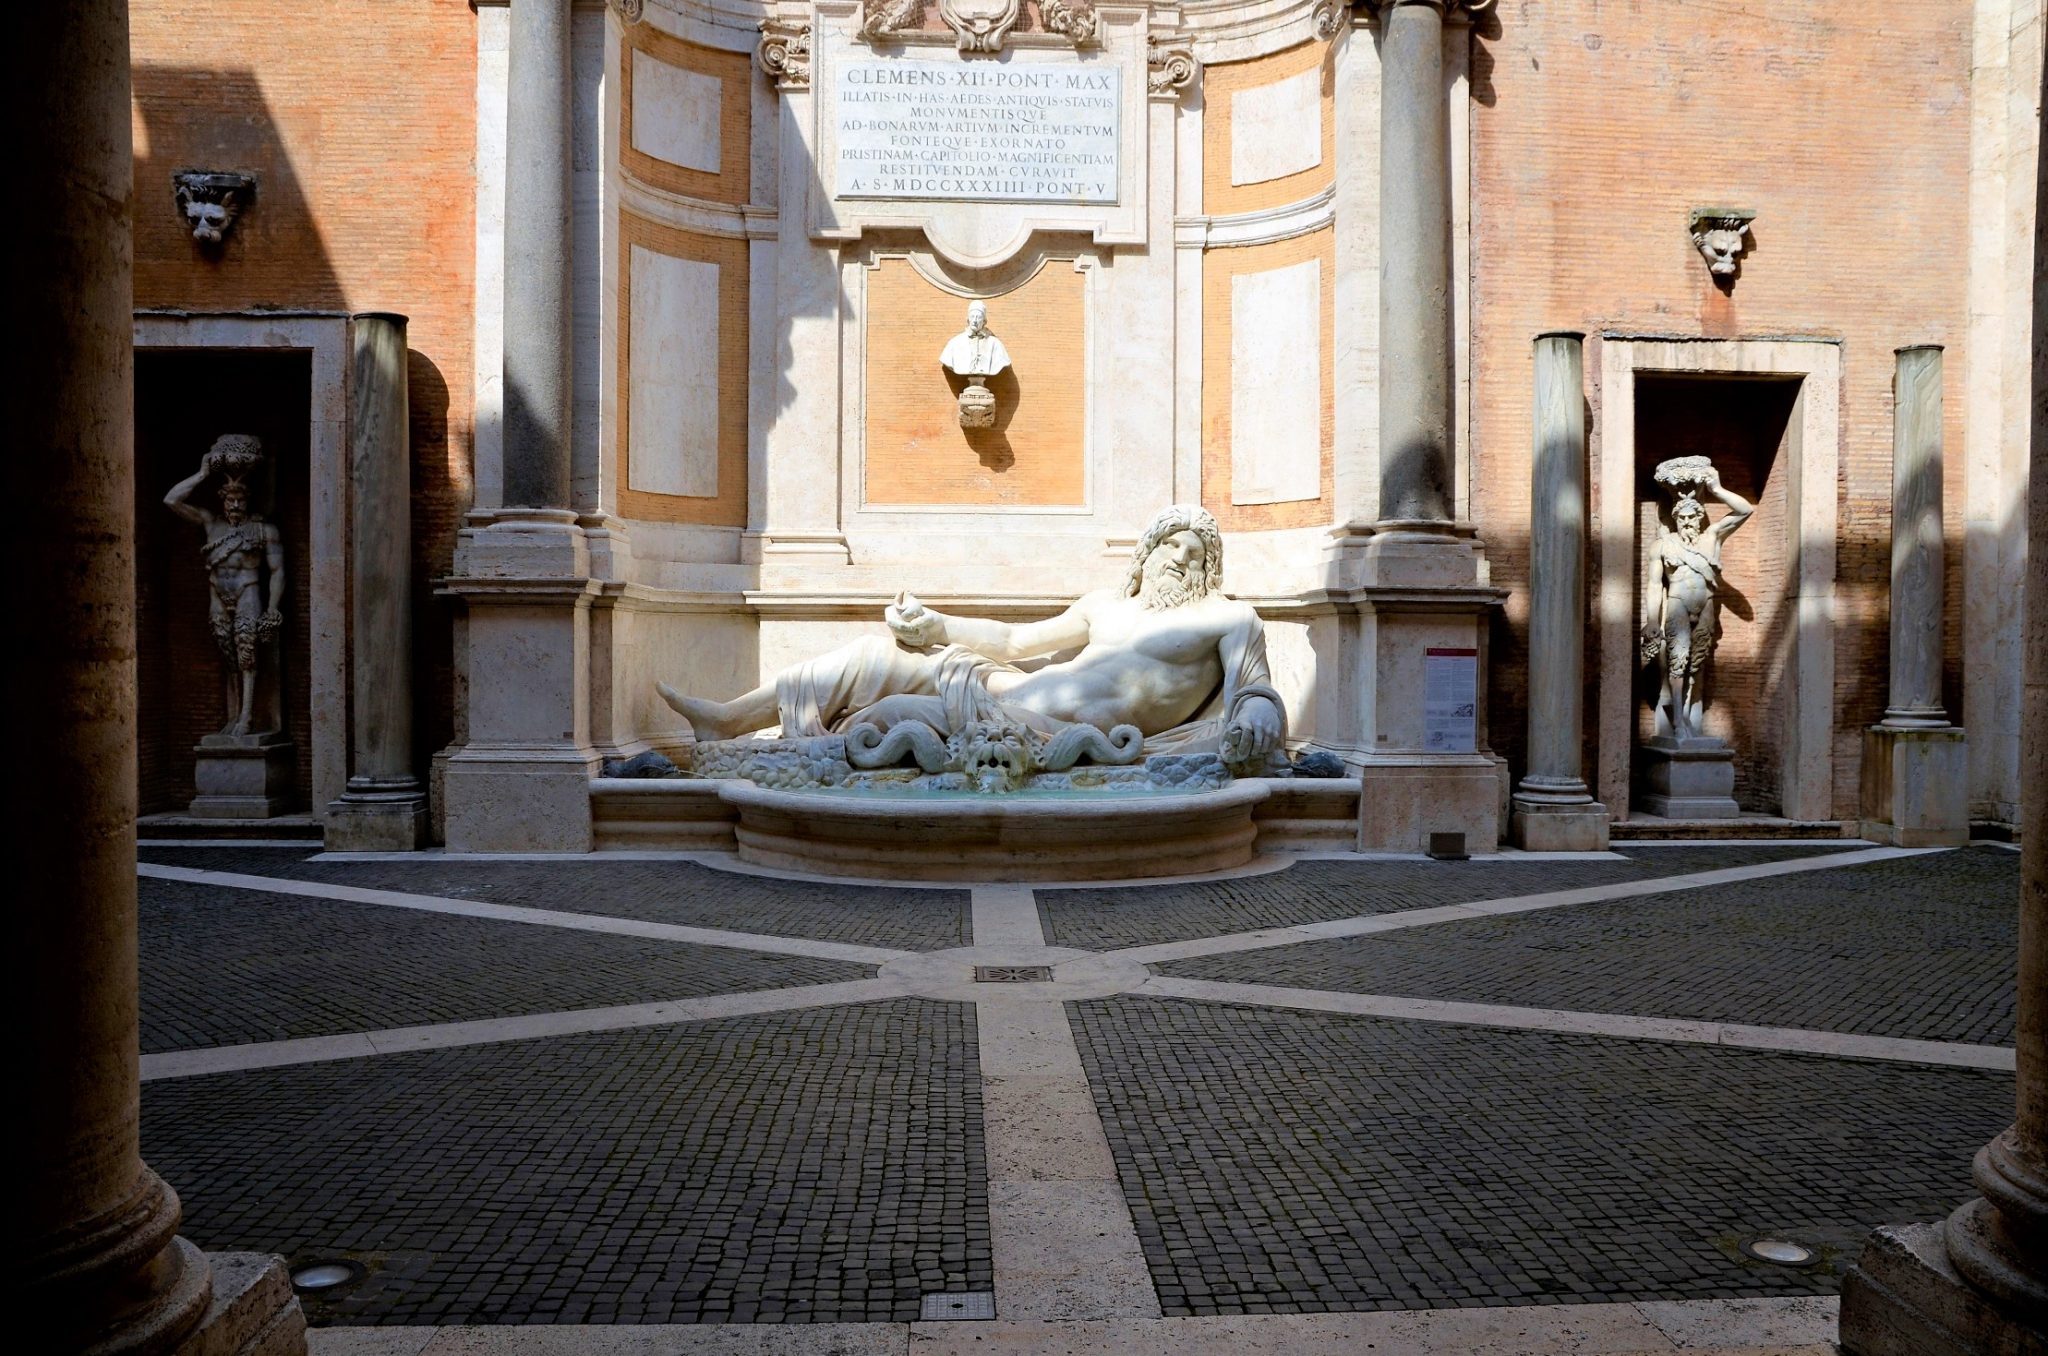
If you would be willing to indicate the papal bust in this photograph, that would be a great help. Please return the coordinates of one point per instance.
(975, 352)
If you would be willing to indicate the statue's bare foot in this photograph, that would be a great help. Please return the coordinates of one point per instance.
(705, 717)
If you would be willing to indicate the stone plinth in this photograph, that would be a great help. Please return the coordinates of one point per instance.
(1687, 778)
(244, 776)
(1540, 826)
(1403, 800)
(1903, 1297)
(253, 1311)
(1913, 793)
(1100, 836)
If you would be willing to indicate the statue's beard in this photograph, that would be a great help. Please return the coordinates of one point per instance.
(1165, 590)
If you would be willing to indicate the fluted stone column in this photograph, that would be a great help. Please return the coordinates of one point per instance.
(98, 1261)
(1978, 1283)
(384, 808)
(1417, 478)
(1914, 761)
(1552, 809)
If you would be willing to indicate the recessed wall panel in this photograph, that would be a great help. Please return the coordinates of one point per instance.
(1276, 366)
(674, 387)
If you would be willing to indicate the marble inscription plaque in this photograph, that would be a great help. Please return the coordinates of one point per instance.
(979, 132)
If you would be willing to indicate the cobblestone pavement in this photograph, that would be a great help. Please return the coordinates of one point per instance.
(1921, 947)
(823, 1165)
(228, 967)
(1302, 1162)
(1316, 891)
(656, 892)
(1095, 1148)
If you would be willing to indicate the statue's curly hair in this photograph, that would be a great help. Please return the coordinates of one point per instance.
(1180, 518)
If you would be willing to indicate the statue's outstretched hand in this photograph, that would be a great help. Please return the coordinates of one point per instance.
(1254, 735)
(913, 623)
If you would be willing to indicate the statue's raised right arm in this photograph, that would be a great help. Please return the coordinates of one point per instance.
(179, 499)
(922, 628)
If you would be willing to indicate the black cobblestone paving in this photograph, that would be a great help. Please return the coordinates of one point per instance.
(1319, 891)
(657, 892)
(226, 967)
(1918, 947)
(813, 1166)
(1300, 1162)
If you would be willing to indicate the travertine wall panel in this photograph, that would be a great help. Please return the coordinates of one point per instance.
(1252, 100)
(1594, 132)
(677, 447)
(1221, 270)
(359, 123)
(674, 153)
(917, 453)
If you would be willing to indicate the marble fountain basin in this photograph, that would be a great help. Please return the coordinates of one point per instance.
(969, 836)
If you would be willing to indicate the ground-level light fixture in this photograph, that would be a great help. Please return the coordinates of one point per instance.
(1781, 1252)
(328, 1273)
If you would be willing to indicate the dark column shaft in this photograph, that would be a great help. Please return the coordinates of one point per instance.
(96, 1228)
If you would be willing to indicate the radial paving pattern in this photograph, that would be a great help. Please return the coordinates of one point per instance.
(667, 1091)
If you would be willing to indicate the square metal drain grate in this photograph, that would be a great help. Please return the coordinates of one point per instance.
(1013, 974)
(960, 1304)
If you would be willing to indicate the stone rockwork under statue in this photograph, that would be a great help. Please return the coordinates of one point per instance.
(245, 770)
(1169, 690)
(1689, 773)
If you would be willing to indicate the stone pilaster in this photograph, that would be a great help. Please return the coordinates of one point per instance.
(1552, 809)
(1978, 1283)
(1914, 761)
(98, 1264)
(384, 808)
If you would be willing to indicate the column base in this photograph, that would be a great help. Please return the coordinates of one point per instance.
(522, 543)
(1403, 800)
(253, 1313)
(244, 776)
(372, 820)
(1540, 825)
(1903, 1297)
(1687, 778)
(1913, 786)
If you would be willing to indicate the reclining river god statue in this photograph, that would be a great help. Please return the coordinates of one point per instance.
(1167, 667)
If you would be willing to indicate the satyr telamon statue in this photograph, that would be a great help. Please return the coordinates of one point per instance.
(245, 567)
(1684, 613)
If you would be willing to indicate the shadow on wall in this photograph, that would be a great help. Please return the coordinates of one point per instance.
(277, 257)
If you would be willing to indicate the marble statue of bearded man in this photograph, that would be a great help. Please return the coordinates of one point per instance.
(1165, 652)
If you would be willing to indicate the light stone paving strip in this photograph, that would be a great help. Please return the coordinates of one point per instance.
(1060, 1231)
(1261, 938)
(553, 918)
(445, 1035)
(1760, 1327)
(1838, 1044)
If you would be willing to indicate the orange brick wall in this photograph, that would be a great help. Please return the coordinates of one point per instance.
(358, 118)
(917, 453)
(1595, 130)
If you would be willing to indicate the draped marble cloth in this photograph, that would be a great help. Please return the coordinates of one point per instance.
(879, 682)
